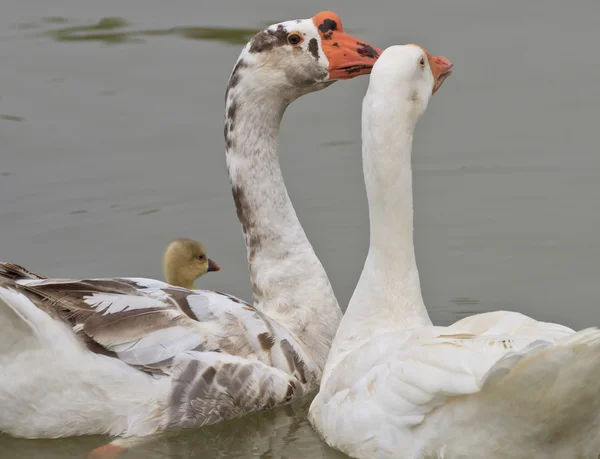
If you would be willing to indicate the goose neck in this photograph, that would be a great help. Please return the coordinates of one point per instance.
(288, 281)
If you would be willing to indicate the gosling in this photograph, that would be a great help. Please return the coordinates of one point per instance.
(184, 261)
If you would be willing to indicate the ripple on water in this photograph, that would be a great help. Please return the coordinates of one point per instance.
(115, 30)
(283, 432)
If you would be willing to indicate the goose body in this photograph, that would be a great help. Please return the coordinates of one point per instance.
(494, 385)
(133, 356)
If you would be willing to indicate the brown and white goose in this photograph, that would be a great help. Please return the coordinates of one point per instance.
(132, 356)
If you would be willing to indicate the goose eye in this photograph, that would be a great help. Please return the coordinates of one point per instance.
(422, 62)
(295, 38)
(201, 257)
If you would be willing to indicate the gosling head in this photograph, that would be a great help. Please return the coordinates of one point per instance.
(185, 261)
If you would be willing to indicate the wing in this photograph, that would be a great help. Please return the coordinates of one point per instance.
(211, 387)
(510, 323)
(147, 323)
(15, 272)
(144, 328)
(400, 377)
(240, 329)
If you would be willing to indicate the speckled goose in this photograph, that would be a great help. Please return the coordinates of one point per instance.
(133, 356)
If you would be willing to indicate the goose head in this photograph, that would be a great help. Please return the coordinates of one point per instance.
(409, 73)
(184, 261)
(296, 57)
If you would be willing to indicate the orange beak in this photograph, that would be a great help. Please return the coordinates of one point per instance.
(348, 56)
(441, 68)
(213, 266)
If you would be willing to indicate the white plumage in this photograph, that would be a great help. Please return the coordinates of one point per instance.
(498, 385)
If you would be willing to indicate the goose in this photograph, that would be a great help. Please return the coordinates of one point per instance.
(184, 261)
(494, 385)
(131, 357)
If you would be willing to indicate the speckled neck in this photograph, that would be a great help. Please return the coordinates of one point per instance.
(288, 280)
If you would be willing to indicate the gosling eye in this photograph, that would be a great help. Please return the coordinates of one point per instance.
(295, 38)
(422, 62)
(201, 257)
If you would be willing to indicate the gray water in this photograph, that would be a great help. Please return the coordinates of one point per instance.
(111, 145)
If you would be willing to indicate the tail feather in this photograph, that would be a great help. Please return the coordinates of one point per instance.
(13, 272)
(21, 320)
(587, 336)
(553, 388)
(16, 330)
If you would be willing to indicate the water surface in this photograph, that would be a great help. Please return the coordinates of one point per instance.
(111, 145)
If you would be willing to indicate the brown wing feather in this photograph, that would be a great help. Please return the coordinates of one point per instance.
(209, 388)
(72, 302)
(12, 271)
(113, 316)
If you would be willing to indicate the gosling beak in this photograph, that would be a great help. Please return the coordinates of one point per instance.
(213, 266)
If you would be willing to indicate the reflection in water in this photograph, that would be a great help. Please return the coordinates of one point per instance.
(465, 300)
(114, 31)
(284, 432)
(281, 433)
(11, 118)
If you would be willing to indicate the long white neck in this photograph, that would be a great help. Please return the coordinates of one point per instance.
(388, 293)
(288, 281)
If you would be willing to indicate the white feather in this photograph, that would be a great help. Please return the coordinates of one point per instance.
(112, 303)
(498, 385)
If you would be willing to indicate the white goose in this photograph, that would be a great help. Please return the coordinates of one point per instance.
(131, 356)
(494, 385)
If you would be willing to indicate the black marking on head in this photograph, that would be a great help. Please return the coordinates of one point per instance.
(268, 39)
(328, 25)
(336, 44)
(313, 47)
(366, 50)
